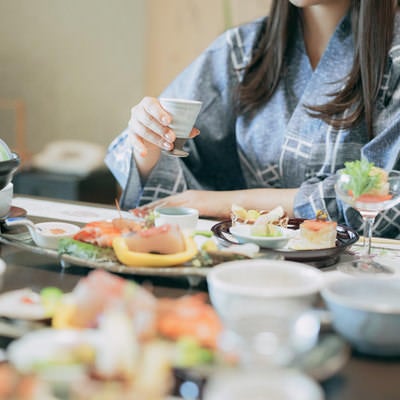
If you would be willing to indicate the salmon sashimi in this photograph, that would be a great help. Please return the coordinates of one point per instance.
(164, 239)
(101, 290)
(189, 316)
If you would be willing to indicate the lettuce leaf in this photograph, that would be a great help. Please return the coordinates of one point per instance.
(362, 180)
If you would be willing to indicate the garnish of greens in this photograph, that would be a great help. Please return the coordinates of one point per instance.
(149, 219)
(363, 179)
(85, 251)
(51, 297)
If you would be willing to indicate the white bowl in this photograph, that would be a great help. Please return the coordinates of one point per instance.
(185, 217)
(273, 299)
(366, 312)
(263, 281)
(6, 196)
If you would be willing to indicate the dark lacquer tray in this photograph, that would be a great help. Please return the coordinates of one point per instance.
(320, 257)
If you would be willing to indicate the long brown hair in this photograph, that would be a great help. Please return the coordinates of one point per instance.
(372, 27)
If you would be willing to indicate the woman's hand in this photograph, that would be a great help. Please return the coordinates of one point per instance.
(150, 132)
(149, 126)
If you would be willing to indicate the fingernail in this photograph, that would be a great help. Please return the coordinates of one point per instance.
(168, 137)
(165, 120)
(166, 145)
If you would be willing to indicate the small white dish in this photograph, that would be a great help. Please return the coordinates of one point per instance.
(243, 234)
(22, 304)
(46, 234)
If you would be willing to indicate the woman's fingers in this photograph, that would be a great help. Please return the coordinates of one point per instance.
(149, 125)
(151, 134)
(153, 107)
(195, 132)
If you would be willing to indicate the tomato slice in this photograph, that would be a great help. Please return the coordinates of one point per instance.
(374, 198)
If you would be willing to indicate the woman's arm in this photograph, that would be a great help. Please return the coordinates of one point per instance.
(218, 204)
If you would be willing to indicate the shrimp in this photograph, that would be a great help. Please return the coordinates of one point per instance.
(102, 233)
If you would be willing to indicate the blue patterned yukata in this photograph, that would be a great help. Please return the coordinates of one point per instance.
(281, 146)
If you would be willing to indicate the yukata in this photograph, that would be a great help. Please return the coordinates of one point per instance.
(282, 146)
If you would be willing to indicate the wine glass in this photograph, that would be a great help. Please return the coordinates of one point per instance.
(368, 205)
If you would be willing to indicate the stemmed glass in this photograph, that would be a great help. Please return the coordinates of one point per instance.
(368, 206)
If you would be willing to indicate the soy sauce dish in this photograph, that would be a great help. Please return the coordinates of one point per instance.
(45, 234)
(48, 234)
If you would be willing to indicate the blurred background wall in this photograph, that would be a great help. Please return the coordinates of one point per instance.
(79, 65)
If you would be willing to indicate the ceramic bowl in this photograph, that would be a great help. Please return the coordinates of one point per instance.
(185, 217)
(6, 196)
(268, 303)
(7, 170)
(366, 312)
(246, 286)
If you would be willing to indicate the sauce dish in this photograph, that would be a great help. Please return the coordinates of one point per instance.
(45, 234)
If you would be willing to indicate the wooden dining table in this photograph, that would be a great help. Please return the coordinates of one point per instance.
(362, 377)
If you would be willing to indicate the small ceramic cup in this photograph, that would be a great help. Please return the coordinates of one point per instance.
(184, 114)
(48, 234)
(6, 196)
(45, 234)
(185, 217)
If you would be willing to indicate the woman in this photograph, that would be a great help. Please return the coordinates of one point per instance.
(287, 100)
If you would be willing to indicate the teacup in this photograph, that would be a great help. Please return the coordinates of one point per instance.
(185, 217)
(6, 196)
(184, 114)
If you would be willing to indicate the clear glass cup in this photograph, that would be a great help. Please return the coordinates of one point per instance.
(369, 208)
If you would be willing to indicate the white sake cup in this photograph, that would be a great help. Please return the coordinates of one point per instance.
(184, 114)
